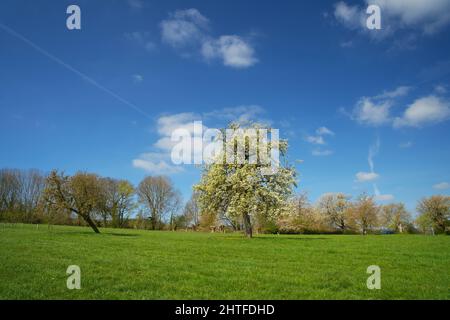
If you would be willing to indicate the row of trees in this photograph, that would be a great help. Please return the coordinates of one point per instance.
(242, 192)
(29, 196)
(337, 212)
(20, 193)
(239, 194)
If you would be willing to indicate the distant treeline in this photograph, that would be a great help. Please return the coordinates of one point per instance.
(30, 196)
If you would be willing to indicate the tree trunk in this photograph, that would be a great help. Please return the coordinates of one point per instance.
(121, 219)
(91, 223)
(153, 222)
(342, 226)
(171, 222)
(247, 225)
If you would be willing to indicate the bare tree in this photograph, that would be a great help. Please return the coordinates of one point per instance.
(32, 184)
(20, 191)
(9, 190)
(173, 211)
(159, 196)
(192, 210)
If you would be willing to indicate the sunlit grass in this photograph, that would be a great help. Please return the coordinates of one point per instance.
(137, 264)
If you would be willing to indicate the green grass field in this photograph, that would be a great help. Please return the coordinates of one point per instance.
(135, 264)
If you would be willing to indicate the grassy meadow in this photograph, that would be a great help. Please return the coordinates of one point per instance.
(138, 264)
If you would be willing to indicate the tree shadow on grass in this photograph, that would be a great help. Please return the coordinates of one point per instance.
(70, 232)
(273, 237)
(290, 238)
(92, 233)
(122, 234)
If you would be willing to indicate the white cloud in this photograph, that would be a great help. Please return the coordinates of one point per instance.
(351, 16)
(381, 197)
(189, 29)
(373, 151)
(159, 161)
(442, 186)
(191, 15)
(413, 16)
(233, 50)
(424, 111)
(155, 163)
(324, 131)
(315, 139)
(370, 176)
(184, 27)
(396, 93)
(168, 123)
(375, 111)
(318, 138)
(429, 16)
(366, 176)
(321, 153)
(372, 113)
(240, 114)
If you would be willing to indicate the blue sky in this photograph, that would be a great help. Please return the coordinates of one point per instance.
(365, 110)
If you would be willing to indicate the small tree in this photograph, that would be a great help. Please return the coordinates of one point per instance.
(159, 197)
(192, 210)
(435, 209)
(364, 214)
(79, 194)
(174, 211)
(240, 188)
(395, 217)
(335, 207)
(20, 193)
(117, 201)
(301, 217)
(9, 191)
(425, 224)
